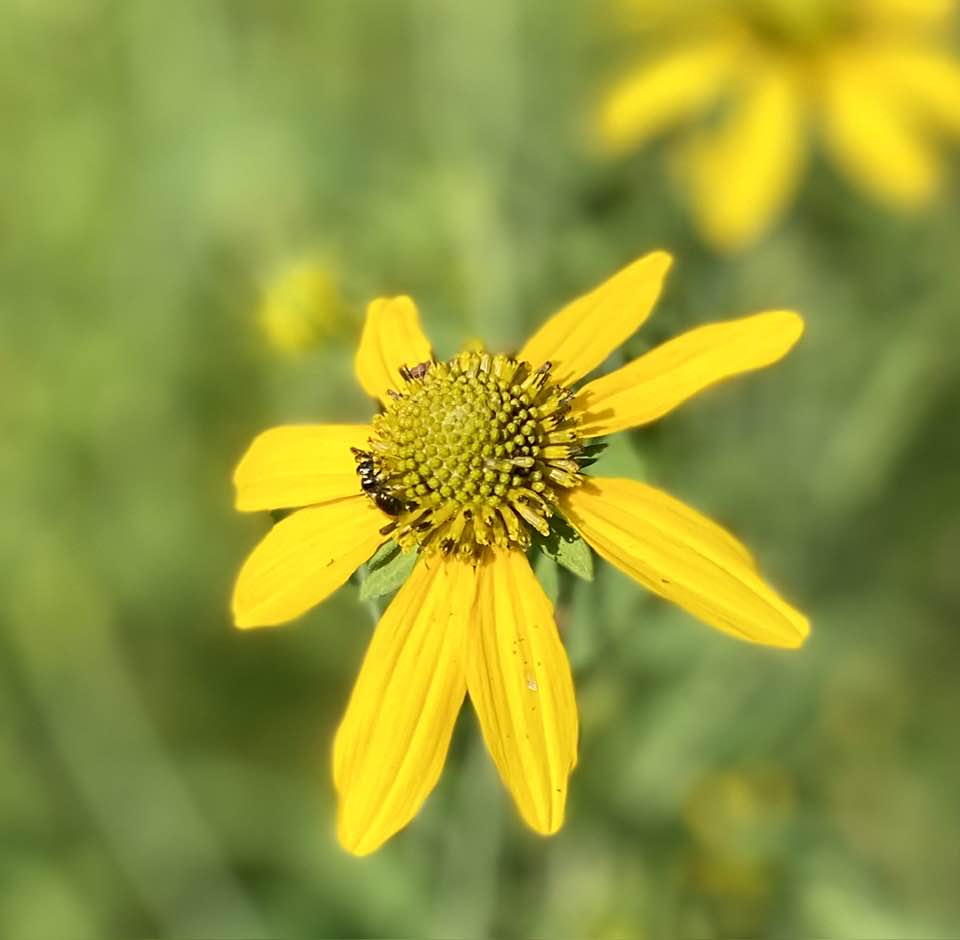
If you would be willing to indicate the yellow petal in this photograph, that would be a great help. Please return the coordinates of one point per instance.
(926, 80)
(520, 685)
(684, 558)
(393, 740)
(298, 465)
(304, 559)
(657, 382)
(578, 338)
(869, 135)
(908, 13)
(391, 337)
(665, 92)
(742, 172)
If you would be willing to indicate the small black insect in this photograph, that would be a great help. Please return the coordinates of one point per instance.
(388, 503)
(369, 477)
(365, 469)
(370, 485)
(371, 482)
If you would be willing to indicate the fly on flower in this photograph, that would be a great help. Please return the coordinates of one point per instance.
(747, 83)
(466, 459)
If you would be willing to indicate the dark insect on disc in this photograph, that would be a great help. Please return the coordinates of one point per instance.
(389, 504)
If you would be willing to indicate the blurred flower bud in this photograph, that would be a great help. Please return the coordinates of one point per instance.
(301, 307)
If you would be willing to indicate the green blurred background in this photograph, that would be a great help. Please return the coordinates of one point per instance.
(165, 775)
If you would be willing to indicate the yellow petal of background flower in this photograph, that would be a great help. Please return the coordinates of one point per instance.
(910, 12)
(663, 378)
(393, 740)
(869, 135)
(520, 685)
(682, 556)
(298, 465)
(305, 558)
(665, 92)
(926, 81)
(578, 338)
(391, 337)
(741, 172)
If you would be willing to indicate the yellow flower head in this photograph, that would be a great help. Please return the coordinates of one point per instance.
(465, 458)
(300, 307)
(750, 81)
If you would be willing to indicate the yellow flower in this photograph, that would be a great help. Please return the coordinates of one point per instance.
(300, 307)
(751, 80)
(465, 458)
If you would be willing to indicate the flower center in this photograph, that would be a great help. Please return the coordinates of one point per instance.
(470, 453)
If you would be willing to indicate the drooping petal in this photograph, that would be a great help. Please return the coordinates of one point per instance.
(742, 172)
(299, 465)
(925, 80)
(393, 740)
(684, 558)
(665, 92)
(869, 134)
(520, 685)
(684, 516)
(578, 338)
(392, 337)
(304, 559)
(663, 378)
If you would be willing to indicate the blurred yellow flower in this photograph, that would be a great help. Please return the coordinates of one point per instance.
(300, 307)
(751, 80)
(737, 819)
(466, 457)
(735, 812)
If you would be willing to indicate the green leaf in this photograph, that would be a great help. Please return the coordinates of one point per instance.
(576, 556)
(566, 548)
(385, 553)
(591, 453)
(386, 572)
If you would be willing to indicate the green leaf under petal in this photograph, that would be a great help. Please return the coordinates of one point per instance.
(576, 556)
(386, 571)
(384, 554)
(567, 549)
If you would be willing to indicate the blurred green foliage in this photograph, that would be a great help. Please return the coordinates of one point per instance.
(169, 776)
